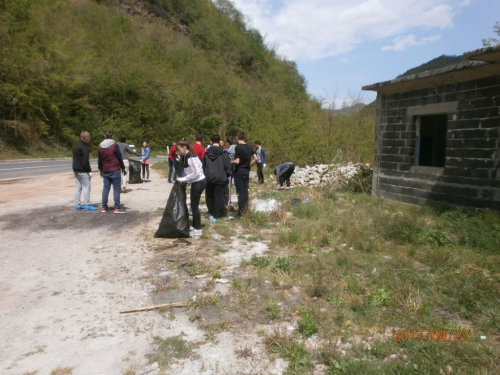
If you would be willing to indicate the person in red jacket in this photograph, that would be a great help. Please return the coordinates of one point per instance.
(110, 162)
(199, 150)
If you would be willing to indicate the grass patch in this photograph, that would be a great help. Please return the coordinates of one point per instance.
(62, 371)
(299, 358)
(277, 264)
(364, 266)
(169, 349)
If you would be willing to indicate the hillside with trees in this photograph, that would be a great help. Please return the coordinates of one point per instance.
(438, 62)
(157, 70)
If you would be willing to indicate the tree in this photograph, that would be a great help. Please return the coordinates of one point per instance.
(487, 42)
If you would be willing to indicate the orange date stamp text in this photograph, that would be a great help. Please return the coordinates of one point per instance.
(431, 335)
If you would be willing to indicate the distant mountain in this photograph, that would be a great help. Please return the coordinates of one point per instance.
(438, 62)
(353, 108)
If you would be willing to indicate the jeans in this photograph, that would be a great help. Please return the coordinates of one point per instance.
(172, 165)
(241, 182)
(260, 174)
(82, 182)
(229, 183)
(145, 169)
(196, 190)
(214, 196)
(111, 178)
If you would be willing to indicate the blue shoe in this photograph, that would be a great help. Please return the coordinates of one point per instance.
(89, 208)
(78, 207)
(212, 219)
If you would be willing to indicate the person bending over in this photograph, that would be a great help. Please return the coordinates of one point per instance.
(283, 173)
(194, 175)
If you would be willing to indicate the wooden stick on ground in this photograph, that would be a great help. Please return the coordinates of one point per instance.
(155, 307)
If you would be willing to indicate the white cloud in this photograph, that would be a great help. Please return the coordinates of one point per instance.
(314, 29)
(403, 42)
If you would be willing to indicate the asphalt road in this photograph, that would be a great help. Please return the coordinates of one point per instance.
(16, 169)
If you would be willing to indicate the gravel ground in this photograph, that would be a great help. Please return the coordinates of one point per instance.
(66, 274)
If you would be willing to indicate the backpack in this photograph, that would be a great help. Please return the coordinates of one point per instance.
(231, 155)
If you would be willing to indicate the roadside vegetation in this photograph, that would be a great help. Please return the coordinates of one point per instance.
(159, 74)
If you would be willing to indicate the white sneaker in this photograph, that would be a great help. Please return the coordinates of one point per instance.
(191, 229)
(196, 232)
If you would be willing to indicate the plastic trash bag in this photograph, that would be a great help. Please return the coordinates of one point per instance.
(134, 172)
(175, 220)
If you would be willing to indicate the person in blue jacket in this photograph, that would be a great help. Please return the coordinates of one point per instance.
(145, 161)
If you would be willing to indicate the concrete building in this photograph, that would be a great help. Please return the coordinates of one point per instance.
(437, 135)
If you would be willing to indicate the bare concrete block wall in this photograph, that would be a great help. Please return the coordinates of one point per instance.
(471, 174)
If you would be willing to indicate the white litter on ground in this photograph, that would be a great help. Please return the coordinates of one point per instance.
(265, 205)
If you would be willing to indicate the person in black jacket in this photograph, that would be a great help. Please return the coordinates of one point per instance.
(283, 173)
(217, 170)
(82, 172)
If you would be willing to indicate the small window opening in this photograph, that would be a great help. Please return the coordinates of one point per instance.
(431, 140)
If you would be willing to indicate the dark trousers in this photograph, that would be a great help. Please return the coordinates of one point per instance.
(173, 165)
(145, 171)
(214, 196)
(241, 183)
(111, 179)
(285, 176)
(196, 191)
(260, 174)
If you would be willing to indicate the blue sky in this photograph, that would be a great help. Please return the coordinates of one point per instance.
(341, 45)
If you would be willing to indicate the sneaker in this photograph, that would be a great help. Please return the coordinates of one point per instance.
(191, 229)
(236, 217)
(212, 219)
(104, 210)
(78, 207)
(196, 232)
(119, 211)
(89, 208)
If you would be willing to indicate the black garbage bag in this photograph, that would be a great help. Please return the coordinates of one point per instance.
(134, 172)
(175, 220)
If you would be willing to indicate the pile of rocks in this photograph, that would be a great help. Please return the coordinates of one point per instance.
(327, 174)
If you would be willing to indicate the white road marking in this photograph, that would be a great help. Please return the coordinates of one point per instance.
(47, 166)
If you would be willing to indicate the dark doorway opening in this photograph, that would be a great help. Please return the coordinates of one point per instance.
(432, 140)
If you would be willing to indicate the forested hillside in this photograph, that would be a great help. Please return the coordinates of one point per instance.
(438, 62)
(156, 71)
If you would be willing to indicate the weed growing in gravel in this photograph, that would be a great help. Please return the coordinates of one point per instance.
(62, 371)
(307, 324)
(272, 310)
(169, 349)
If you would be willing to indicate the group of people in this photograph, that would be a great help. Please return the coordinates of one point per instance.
(113, 165)
(213, 170)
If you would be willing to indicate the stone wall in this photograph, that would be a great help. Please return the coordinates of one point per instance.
(471, 175)
(336, 175)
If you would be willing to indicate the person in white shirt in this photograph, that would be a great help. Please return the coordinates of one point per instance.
(193, 169)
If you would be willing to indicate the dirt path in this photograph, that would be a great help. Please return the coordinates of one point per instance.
(66, 274)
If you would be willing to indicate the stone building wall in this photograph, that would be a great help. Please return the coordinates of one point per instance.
(471, 173)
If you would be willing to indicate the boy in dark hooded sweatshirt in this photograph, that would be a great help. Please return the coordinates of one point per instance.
(217, 171)
(110, 161)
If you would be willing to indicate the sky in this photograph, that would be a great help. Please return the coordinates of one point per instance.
(341, 45)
